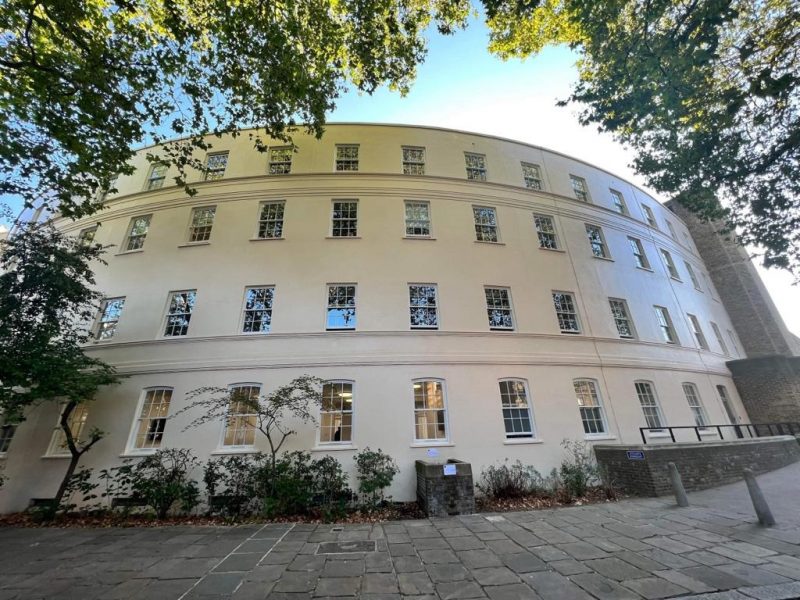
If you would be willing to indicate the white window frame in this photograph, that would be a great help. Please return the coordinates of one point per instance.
(216, 174)
(413, 166)
(521, 435)
(669, 264)
(666, 325)
(58, 441)
(343, 163)
(537, 221)
(7, 432)
(342, 220)
(580, 188)
(165, 321)
(649, 216)
(138, 418)
(618, 202)
(627, 318)
(223, 447)
(671, 229)
(406, 220)
(599, 407)
(155, 179)
(659, 414)
(532, 176)
(341, 413)
(271, 221)
(276, 166)
(603, 246)
(199, 230)
(101, 318)
(87, 234)
(734, 343)
(328, 306)
(718, 334)
(575, 313)
(478, 170)
(639, 254)
(699, 413)
(509, 308)
(430, 441)
(692, 275)
(129, 235)
(727, 404)
(412, 307)
(697, 331)
(482, 226)
(245, 310)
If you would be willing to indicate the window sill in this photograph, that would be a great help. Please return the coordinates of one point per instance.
(336, 330)
(191, 244)
(522, 441)
(502, 329)
(138, 453)
(137, 251)
(52, 456)
(648, 269)
(432, 444)
(708, 431)
(553, 250)
(342, 237)
(267, 239)
(435, 328)
(676, 279)
(240, 450)
(419, 237)
(599, 437)
(658, 434)
(570, 333)
(490, 243)
(333, 447)
(606, 258)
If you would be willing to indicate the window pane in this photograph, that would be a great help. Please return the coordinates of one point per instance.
(566, 312)
(270, 221)
(347, 158)
(153, 418)
(180, 313)
(476, 166)
(546, 232)
(336, 413)
(418, 220)
(589, 406)
(516, 411)
(280, 161)
(422, 306)
(341, 307)
(485, 224)
(413, 160)
(498, 308)
(216, 165)
(345, 219)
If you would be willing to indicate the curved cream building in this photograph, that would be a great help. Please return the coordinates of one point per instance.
(465, 296)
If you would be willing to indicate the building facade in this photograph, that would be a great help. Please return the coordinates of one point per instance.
(463, 296)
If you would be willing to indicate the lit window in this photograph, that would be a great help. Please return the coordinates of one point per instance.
(668, 262)
(152, 418)
(650, 407)
(77, 423)
(270, 220)
(336, 413)
(692, 276)
(242, 417)
(718, 334)
(590, 407)
(345, 219)
(156, 177)
(110, 313)
(532, 175)
(418, 218)
(347, 158)
(476, 166)
(423, 306)
(86, 236)
(202, 222)
(649, 217)
(693, 398)
(215, 165)
(619, 202)
(486, 229)
(596, 241)
(179, 313)
(280, 160)
(622, 319)
(430, 412)
(546, 232)
(137, 232)
(638, 253)
(665, 325)
(258, 309)
(698, 332)
(579, 188)
(726, 404)
(6, 434)
(413, 160)
(566, 312)
(498, 307)
(517, 416)
(671, 229)
(341, 307)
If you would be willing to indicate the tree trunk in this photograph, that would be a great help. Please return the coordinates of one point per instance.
(73, 464)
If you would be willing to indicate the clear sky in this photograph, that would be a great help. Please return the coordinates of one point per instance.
(462, 86)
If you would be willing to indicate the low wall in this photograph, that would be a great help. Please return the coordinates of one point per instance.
(642, 470)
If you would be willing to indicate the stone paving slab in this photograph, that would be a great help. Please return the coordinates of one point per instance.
(634, 549)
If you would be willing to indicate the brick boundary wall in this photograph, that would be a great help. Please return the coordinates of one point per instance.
(441, 495)
(769, 387)
(701, 465)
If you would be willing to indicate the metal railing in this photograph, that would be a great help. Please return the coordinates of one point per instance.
(753, 430)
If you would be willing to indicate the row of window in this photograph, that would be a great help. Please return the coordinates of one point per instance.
(344, 224)
(430, 410)
(423, 306)
(413, 163)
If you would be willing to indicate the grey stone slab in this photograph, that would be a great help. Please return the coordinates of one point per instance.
(654, 588)
(435, 557)
(552, 586)
(265, 573)
(398, 538)
(458, 590)
(238, 562)
(630, 543)
(753, 575)
(710, 559)
(495, 576)
(307, 562)
(691, 584)
(256, 546)
(604, 544)
(668, 559)
(379, 583)
(582, 550)
(490, 535)
(278, 558)
(402, 550)
(730, 595)
(755, 550)
(475, 559)
(470, 542)
(670, 545)
(504, 547)
(783, 591)
(514, 591)
(602, 588)
(713, 577)
(413, 584)
(523, 563)
(737, 555)
(453, 532)
(569, 566)
(217, 584)
(430, 544)
(615, 568)
(378, 562)
(550, 553)
(164, 588)
(252, 590)
(407, 564)
(295, 581)
(338, 586)
(344, 568)
(447, 572)
(637, 560)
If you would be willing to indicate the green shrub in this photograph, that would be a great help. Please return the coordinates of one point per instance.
(331, 492)
(513, 480)
(288, 488)
(231, 484)
(578, 470)
(376, 472)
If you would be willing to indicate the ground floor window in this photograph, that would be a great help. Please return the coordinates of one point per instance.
(240, 426)
(647, 399)
(152, 418)
(590, 406)
(336, 414)
(430, 411)
(516, 409)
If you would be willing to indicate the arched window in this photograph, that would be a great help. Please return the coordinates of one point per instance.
(430, 411)
(517, 416)
(590, 406)
(151, 418)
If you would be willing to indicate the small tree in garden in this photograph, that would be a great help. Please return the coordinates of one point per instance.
(296, 400)
(578, 470)
(376, 471)
(47, 304)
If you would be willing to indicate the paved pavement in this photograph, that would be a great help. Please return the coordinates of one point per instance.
(626, 550)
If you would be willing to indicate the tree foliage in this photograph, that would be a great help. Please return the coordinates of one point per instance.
(82, 81)
(47, 303)
(707, 93)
